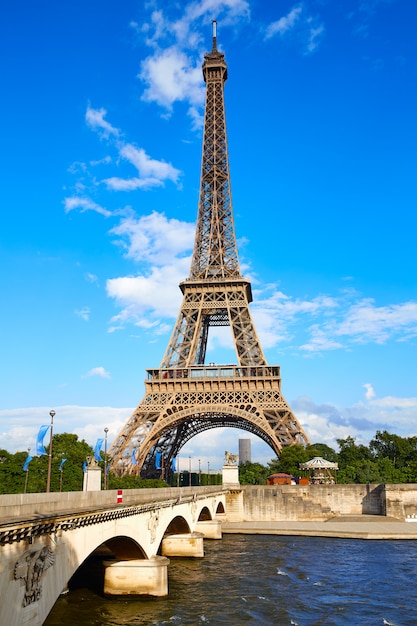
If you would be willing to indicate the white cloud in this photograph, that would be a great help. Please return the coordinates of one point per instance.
(104, 161)
(299, 26)
(171, 76)
(148, 167)
(327, 422)
(367, 322)
(314, 37)
(320, 341)
(172, 73)
(390, 402)
(156, 295)
(84, 204)
(91, 278)
(284, 24)
(84, 313)
(154, 238)
(19, 427)
(370, 393)
(95, 120)
(97, 371)
(151, 172)
(130, 184)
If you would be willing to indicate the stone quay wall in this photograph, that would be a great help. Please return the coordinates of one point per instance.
(252, 503)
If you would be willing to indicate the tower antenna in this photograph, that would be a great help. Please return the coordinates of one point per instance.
(214, 23)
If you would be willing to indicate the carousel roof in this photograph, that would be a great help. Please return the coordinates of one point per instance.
(318, 463)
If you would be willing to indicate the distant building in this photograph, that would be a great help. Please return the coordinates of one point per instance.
(244, 451)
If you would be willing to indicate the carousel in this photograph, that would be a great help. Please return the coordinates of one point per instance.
(322, 472)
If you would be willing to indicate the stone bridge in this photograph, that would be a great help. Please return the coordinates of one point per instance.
(46, 538)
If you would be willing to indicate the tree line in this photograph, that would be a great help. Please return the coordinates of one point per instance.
(65, 476)
(388, 458)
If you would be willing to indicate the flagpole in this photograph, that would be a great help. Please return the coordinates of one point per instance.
(48, 480)
(106, 430)
(27, 474)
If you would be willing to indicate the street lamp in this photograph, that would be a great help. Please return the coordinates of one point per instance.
(48, 480)
(199, 471)
(189, 471)
(106, 430)
(208, 472)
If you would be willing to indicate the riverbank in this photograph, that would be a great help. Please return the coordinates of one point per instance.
(344, 526)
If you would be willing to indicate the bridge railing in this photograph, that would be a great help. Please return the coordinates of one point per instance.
(38, 505)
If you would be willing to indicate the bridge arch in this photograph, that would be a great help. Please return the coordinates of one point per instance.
(205, 515)
(177, 525)
(220, 510)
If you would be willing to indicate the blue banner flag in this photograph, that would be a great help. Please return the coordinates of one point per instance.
(40, 450)
(62, 464)
(134, 461)
(97, 449)
(85, 467)
(158, 460)
(26, 464)
(174, 464)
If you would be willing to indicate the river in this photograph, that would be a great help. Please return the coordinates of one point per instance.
(259, 579)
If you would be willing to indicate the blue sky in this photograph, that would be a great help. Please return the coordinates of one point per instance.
(101, 147)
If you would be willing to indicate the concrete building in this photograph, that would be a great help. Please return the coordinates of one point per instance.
(244, 451)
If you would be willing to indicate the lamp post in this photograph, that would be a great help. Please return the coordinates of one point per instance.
(208, 472)
(199, 471)
(48, 480)
(189, 471)
(106, 430)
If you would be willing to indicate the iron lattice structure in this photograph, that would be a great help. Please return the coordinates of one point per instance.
(184, 396)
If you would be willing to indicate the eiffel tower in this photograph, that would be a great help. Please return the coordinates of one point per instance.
(184, 396)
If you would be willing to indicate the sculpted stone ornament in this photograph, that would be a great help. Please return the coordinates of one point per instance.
(230, 459)
(91, 461)
(153, 525)
(31, 567)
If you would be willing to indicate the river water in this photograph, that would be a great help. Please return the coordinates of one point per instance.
(259, 579)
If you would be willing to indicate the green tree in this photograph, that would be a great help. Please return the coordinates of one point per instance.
(323, 450)
(67, 446)
(134, 482)
(289, 461)
(252, 474)
(12, 476)
(400, 450)
(64, 446)
(351, 453)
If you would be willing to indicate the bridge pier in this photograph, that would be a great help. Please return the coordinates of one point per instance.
(137, 577)
(187, 544)
(211, 529)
